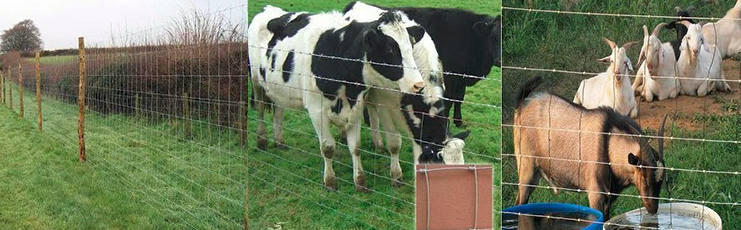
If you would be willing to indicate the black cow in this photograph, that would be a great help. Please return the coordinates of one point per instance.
(468, 43)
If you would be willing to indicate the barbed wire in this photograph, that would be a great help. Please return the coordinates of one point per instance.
(629, 75)
(614, 14)
(671, 199)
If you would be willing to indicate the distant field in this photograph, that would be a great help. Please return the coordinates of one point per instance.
(286, 186)
(54, 59)
(573, 42)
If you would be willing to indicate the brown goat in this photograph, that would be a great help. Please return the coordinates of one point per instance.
(570, 148)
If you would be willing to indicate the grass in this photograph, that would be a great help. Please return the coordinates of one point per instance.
(286, 185)
(571, 42)
(140, 174)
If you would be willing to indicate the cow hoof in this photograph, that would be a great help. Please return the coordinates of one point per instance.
(361, 188)
(459, 124)
(262, 144)
(360, 184)
(281, 146)
(331, 184)
(396, 183)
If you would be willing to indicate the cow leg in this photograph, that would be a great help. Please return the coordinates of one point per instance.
(417, 151)
(394, 144)
(375, 128)
(262, 141)
(393, 141)
(327, 144)
(353, 143)
(457, 117)
(278, 127)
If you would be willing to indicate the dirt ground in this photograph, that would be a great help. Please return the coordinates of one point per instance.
(650, 114)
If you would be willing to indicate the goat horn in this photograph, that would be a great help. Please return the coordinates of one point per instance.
(658, 29)
(661, 135)
(610, 43)
(690, 9)
(686, 23)
(677, 8)
(628, 45)
(645, 31)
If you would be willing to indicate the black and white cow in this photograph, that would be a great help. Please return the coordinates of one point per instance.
(311, 61)
(417, 115)
(468, 43)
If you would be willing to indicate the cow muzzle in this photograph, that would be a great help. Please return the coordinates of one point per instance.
(418, 87)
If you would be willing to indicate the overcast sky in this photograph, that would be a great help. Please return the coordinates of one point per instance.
(62, 21)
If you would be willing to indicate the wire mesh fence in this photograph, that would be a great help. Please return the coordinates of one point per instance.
(286, 173)
(701, 137)
(165, 113)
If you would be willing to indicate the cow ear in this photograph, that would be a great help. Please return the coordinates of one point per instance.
(462, 135)
(633, 159)
(416, 33)
(372, 39)
(482, 28)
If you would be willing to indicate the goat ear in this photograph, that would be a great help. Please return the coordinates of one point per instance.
(633, 160)
(462, 135)
(604, 59)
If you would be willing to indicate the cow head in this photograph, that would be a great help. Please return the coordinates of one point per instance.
(619, 62)
(388, 45)
(490, 30)
(651, 51)
(649, 172)
(450, 152)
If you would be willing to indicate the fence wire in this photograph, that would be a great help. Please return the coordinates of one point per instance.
(166, 114)
(698, 141)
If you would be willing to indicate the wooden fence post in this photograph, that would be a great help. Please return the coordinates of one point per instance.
(10, 88)
(20, 89)
(38, 89)
(2, 86)
(186, 114)
(81, 101)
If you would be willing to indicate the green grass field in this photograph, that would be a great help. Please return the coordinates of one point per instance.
(572, 42)
(286, 185)
(139, 174)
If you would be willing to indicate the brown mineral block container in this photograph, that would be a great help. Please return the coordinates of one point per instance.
(447, 197)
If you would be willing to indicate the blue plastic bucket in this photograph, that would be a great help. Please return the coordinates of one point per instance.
(550, 208)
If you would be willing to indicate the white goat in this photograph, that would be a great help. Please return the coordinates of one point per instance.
(699, 65)
(656, 59)
(728, 29)
(612, 87)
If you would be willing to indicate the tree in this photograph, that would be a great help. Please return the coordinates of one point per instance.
(24, 36)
